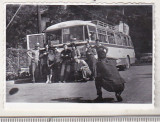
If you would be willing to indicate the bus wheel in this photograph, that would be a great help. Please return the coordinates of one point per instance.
(128, 64)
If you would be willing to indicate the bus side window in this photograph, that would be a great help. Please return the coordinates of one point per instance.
(118, 39)
(127, 41)
(124, 40)
(92, 33)
(86, 32)
(93, 36)
(130, 41)
(111, 38)
(102, 38)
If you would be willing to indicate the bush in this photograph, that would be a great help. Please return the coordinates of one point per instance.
(11, 76)
(16, 59)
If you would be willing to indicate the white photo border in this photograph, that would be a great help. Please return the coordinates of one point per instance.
(78, 109)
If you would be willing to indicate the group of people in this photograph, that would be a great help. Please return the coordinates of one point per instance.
(68, 63)
(58, 66)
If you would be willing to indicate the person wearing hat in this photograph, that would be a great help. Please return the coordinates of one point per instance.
(66, 60)
(34, 55)
(108, 76)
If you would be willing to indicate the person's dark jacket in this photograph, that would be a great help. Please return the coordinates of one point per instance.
(66, 55)
(109, 76)
(101, 51)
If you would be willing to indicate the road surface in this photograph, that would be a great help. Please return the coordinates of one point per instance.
(138, 89)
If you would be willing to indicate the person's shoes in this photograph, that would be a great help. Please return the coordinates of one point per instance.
(33, 81)
(75, 80)
(118, 96)
(47, 81)
(92, 79)
(99, 98)
(86, 79)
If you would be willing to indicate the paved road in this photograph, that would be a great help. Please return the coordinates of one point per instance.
(138, 90)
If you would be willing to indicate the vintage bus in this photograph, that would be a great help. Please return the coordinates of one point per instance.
(117, 41)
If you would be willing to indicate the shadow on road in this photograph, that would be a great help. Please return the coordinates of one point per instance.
(13, 91)
(149, 75)
(141, 64)
(80, 100)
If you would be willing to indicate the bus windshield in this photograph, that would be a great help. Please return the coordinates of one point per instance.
(66, 35)
(73, 34)
(54, 37)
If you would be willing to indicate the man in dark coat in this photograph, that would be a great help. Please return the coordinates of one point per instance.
(56, 66)
(108, 76)
(44, 70)
(66, 62)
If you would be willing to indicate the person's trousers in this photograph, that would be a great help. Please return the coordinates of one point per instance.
(35, 69)
(111, 87)
(98, 84)
(65, 70)
(56, 72)
(86, 72)
(92, 66)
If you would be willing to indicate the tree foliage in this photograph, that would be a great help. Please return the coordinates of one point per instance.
(139, 19)
(25, 22)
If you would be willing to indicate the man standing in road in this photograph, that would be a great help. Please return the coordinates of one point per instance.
(34, 55)
(75, 53)
(43, 59)
(66, 60)
(56, 66)
(91, 59)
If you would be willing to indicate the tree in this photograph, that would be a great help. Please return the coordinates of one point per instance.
(25, 22)
(139, 19)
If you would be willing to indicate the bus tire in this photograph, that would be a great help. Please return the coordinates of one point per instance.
(128, 64)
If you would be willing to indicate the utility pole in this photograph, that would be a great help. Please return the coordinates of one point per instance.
(123, 11)
(38, 20)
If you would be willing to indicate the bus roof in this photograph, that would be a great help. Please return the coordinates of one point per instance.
(67, 24)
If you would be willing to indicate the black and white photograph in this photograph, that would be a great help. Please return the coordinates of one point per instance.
(79, 54)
